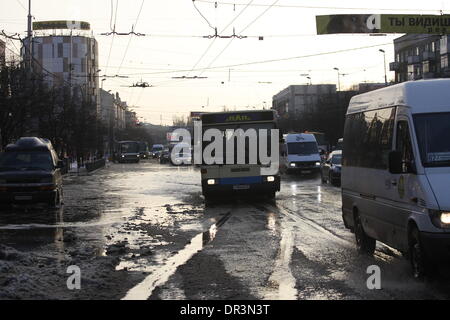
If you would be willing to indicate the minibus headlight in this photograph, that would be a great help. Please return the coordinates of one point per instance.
(211, 182)
(270, 179)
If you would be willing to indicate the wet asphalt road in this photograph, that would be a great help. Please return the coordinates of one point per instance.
(142, 231)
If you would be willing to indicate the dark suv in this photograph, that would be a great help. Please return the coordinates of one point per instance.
(30, 171)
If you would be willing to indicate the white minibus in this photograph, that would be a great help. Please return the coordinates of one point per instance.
(396, 170)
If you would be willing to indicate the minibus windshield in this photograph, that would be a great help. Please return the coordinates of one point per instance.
(433, 130)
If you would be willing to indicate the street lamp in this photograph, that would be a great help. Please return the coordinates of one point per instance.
(385, 75)
(307, 77)
(339, 78)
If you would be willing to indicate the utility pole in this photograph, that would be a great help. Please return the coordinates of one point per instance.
(385, 75)
(29, 53)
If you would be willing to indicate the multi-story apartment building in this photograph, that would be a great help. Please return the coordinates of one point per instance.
(421, 56)
(66, 57)
(298, 100)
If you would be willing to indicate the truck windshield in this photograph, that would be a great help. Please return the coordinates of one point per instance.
(302, 148)
(131, 147)
(433, 130)
(26, 160)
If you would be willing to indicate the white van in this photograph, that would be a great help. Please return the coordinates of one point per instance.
(396, 170)
(300, 153)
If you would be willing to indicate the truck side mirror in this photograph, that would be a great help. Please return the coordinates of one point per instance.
(395, 162)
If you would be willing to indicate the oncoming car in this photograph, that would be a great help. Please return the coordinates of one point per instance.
(331, 168)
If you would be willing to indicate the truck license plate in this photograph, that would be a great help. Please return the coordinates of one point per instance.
(241, 187)
(23, 198)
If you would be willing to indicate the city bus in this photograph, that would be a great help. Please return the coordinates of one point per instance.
(250, 177)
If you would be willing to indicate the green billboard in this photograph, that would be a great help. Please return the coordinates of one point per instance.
(383, 23)
(61, 24)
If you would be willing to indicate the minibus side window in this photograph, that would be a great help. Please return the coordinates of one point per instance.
(403, 144)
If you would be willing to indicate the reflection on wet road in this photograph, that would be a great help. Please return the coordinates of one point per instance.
(142, 231)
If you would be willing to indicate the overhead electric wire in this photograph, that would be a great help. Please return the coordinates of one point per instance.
(201, 14)
(114, 28)
(319, 7)
(21, 4)
(248, 26)
(131, 36)
(267, 61)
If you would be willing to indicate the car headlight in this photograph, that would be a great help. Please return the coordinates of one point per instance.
(317, 164)
(211, 182)
(123, 156)
(440, 219)
(270, 179)
(292, 165)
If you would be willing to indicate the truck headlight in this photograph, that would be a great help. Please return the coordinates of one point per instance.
(211, 182)
(440, 219)
(270, 179)
(445, 217)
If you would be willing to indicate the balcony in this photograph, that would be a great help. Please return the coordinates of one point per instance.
(394, 66)
(413, 59)
(429, 56)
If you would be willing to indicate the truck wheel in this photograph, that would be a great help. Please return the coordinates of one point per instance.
(419, 262)
(364, 243)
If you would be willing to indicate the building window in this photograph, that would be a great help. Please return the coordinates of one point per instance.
(444, 61)
(60, 50)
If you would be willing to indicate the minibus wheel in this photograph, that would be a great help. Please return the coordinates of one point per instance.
(364, 243)
(417, 255)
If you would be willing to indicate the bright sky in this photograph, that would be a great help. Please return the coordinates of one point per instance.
(175, 46)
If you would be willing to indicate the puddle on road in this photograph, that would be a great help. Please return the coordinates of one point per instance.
(143, 290)
(282, 282)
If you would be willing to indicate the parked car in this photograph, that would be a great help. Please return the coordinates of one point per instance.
(30, 172)
(331, 168)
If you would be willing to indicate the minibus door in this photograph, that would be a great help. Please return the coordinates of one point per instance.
(397, 215)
